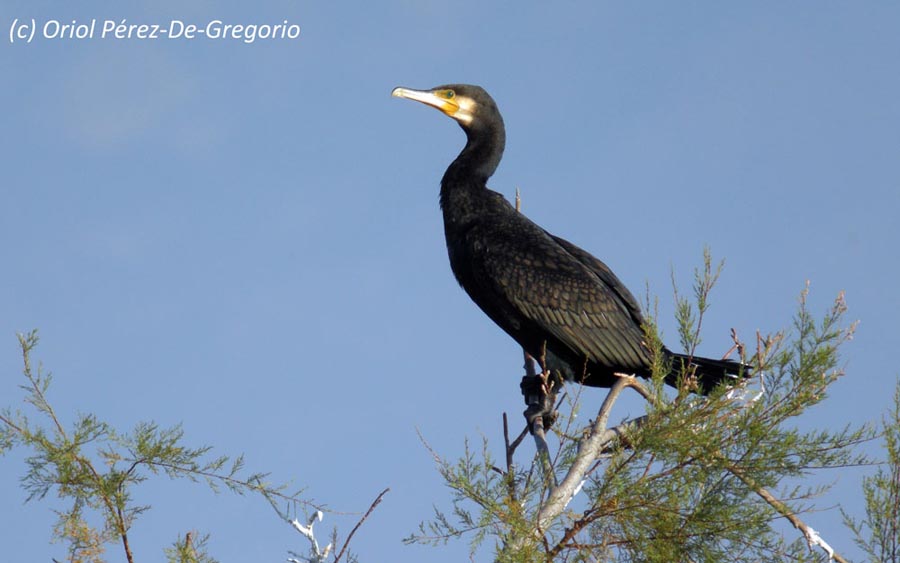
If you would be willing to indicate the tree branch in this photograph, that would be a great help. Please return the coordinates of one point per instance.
(812, 537)
(589, 449)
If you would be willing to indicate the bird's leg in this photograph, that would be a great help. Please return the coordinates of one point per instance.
(540, 396)
(539, 391)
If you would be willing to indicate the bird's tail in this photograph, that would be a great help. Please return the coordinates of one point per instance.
(709, 372)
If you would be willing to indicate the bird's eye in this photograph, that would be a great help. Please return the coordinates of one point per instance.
(448, 94)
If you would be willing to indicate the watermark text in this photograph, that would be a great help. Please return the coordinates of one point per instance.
(28, 30)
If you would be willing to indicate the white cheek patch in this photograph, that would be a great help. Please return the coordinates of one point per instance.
(466, 110)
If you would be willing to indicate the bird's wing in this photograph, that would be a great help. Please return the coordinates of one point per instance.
(606, 275)
(578, 303)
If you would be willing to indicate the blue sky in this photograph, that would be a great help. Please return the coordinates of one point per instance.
(245, 238)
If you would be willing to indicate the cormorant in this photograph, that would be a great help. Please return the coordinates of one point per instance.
(558, 301)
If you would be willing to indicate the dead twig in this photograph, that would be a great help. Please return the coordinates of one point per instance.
(375, 503)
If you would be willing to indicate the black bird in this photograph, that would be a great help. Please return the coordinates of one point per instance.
(556, 300)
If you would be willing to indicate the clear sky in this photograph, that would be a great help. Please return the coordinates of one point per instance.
(245, 238)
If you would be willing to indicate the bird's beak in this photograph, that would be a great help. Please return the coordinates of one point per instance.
(428, 97)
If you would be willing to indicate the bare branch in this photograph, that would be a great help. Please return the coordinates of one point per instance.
(812, 537)
(316, 555)
(375, 503)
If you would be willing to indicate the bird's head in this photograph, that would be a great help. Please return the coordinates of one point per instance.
(477, 114)
(469, 105)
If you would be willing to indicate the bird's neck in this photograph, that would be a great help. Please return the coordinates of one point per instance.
(472, 168)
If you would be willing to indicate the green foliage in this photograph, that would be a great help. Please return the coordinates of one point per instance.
(879, 533)
(95, 469)
(189, 550)
(496, 512)
(689, 480)
(689, 321)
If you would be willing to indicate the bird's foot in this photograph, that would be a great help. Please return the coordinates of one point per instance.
(540, 396)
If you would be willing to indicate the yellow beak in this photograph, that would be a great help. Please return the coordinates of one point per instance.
(428, 97)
